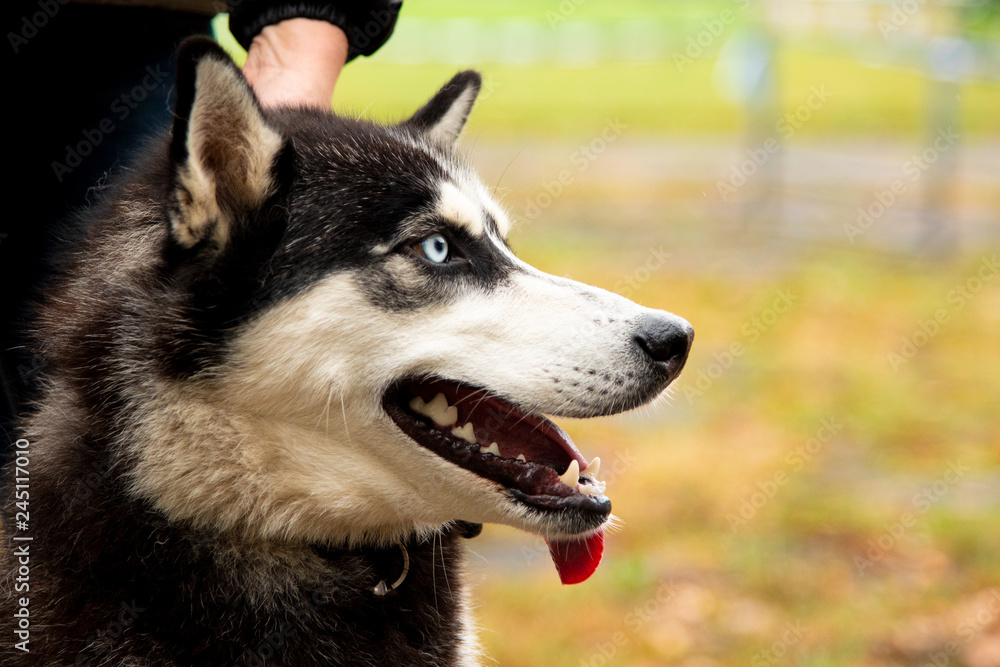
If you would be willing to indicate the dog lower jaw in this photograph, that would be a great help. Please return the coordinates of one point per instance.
(532, 462)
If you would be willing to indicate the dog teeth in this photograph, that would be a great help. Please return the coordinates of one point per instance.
(493, 449)
(572, 475)
(445, 415)
(593, 488)
(438, 410)
(520, 457)
(467, 434)
(588, 486)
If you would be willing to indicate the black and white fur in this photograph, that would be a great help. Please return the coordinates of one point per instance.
(214, 480)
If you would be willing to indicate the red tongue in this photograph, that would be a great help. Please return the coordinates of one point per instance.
(576, 560)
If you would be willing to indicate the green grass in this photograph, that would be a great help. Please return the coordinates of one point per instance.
(578, 9)
(659, 98)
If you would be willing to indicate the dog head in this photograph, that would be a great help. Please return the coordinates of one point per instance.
(371, 358)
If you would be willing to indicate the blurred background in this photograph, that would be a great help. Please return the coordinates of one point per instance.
(815, 185)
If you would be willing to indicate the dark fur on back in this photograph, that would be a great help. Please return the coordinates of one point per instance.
(112, 580)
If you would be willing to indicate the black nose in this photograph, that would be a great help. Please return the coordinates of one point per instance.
(666, 340)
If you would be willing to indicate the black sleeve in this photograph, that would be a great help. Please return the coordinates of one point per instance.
(367, 23)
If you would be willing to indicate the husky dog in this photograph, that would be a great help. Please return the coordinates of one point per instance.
(291, 365)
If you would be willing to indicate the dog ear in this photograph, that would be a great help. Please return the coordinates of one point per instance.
(223, 150)
(441, 120)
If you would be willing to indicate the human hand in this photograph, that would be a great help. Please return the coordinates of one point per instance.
(296, 62)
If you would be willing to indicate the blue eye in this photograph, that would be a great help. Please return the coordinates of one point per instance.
(435, 248)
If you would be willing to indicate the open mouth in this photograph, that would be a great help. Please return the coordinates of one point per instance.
(528, 455)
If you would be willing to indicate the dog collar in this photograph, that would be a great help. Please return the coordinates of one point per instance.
(381, 588)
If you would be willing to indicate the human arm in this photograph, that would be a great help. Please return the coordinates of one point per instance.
(296, 62)
(296, 50)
